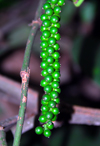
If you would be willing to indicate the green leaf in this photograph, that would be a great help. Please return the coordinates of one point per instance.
(77, 3)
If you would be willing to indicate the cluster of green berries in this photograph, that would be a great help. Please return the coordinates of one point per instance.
(50, 65)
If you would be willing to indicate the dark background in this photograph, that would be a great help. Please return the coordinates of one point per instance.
(80, 64)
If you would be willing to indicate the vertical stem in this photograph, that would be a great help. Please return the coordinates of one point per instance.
(2, 137)
(25, 72)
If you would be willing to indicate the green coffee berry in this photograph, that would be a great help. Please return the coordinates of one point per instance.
(44, 108)
(50, 69)
(52, 104)
(50, 50)
(49, 115)
(46, 6)
(48, 78)
(44, 73)
(48, 89)
(43, 83)
(46, 23)
(46, 33)
(42, 119)
(49, 12)
(39, 130)
(43, 17)
(54, 19)
(47, 133)
(53, 94)
(54, 1)
(57, 9)
(46, 97)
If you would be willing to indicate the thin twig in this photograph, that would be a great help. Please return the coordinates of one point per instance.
(9, 121)
(13, 96)
(25, 72)
(2, 137)
(80, 115)
(84, 115)
(28, 124)
(13, 120)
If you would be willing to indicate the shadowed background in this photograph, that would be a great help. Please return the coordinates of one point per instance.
(80, 69)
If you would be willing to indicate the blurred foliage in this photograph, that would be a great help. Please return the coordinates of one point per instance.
(96, 69)
(6, 3)
(76, 48)
(67, 13)
(18, 36)
(86, 50)
(86, 53)
(80, 138)
(87, 12)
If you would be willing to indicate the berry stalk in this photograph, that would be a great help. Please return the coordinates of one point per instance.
(50, 65)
